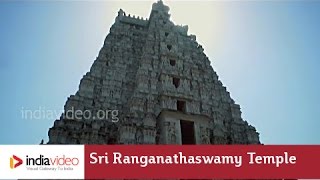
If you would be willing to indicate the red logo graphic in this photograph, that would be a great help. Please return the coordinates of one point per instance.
(14, 164)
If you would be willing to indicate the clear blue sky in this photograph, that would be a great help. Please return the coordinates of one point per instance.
(266, 53)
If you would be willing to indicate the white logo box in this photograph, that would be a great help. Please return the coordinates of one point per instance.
(66, 161)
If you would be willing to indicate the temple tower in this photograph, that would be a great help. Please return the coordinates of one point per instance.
(151, 84)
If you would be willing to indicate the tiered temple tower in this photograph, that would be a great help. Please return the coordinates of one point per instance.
(151, 84)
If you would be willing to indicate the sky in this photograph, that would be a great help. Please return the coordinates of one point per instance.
(265, 53)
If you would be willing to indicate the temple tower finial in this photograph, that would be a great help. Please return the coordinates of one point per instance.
(159, 6)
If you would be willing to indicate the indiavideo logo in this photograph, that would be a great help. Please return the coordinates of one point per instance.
(15, 161)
